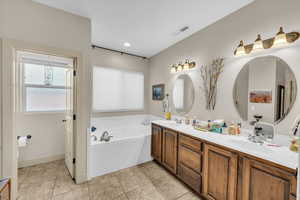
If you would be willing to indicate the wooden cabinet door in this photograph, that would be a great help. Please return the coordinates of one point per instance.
(219, 173)
(169, 157)
(262, 181)
(156, 143)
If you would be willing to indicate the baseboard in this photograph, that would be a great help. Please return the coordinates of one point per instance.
(28, 163)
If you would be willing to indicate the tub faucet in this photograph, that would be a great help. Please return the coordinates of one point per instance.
(105, 136)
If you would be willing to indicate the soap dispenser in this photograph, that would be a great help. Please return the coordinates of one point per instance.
(167, 108)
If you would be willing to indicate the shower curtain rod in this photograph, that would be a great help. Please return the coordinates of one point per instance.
(121, 52)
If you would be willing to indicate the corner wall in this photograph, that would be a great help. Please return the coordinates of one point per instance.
(39, 25)
(220, 40)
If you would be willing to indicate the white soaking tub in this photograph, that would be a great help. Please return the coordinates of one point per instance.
(129, 146)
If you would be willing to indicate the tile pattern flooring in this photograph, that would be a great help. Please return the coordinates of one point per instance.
(149, 181)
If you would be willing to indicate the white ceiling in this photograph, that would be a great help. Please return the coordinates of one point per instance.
(150, 26)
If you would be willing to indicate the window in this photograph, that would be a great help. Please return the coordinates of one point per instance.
(117, 90)
(43, 82)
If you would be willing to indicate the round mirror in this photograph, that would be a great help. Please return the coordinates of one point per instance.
(183, 94)
(265, 86)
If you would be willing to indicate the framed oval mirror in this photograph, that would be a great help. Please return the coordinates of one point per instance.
(183, 94)
(265, 86)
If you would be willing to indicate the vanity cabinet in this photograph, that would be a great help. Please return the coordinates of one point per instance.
(220, 169)
(262, 181)
(156, 143)
(169, 150)
(219, 173)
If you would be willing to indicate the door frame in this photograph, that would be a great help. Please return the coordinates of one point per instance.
(9, 142)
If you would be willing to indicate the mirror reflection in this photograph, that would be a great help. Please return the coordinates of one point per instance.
(265, 86)
(183, 94)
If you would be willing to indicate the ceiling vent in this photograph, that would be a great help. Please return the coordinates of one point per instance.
(183, 29)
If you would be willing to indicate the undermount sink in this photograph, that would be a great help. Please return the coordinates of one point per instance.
(252, 146)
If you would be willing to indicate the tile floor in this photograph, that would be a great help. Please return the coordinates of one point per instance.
(148, 181)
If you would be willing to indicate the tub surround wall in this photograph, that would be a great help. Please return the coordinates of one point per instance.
(220, 39)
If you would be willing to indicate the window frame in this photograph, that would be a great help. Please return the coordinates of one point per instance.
(97, 111)
(24, 86)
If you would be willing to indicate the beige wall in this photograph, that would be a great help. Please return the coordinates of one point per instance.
(23, 20)
(220, 39)
(48, 137)
(104, 58)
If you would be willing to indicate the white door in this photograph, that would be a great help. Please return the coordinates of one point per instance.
(69, 123)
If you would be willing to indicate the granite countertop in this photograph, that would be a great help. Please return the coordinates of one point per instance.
(280, 155)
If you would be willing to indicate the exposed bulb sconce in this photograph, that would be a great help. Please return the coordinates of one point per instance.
(280, 40)
(183, 67)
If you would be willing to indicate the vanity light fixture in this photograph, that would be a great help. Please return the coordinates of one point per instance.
(183, 67)
(240, 51)
(173, 69)
(258, 44)
(179, 67)
(280, 40)
(186, 65)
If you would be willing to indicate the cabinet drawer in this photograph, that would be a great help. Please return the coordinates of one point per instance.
(189, 177)
(189, 158)
(191, 143)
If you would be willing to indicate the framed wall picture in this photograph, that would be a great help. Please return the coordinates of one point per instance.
(261, 96)
(158, 92)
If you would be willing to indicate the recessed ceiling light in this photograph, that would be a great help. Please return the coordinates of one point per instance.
(127, 44)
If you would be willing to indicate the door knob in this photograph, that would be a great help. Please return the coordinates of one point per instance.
(64, 120)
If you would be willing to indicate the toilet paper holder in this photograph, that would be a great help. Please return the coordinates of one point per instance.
(27, 136)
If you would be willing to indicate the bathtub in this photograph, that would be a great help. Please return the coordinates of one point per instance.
(129, 146)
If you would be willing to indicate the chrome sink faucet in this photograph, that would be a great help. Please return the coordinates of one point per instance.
(262, 131)
(105, 136)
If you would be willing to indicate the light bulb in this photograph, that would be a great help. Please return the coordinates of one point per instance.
(280, 39)
(258, 44)
(240, 51)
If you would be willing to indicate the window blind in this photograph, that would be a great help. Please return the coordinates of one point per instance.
(117, 90)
